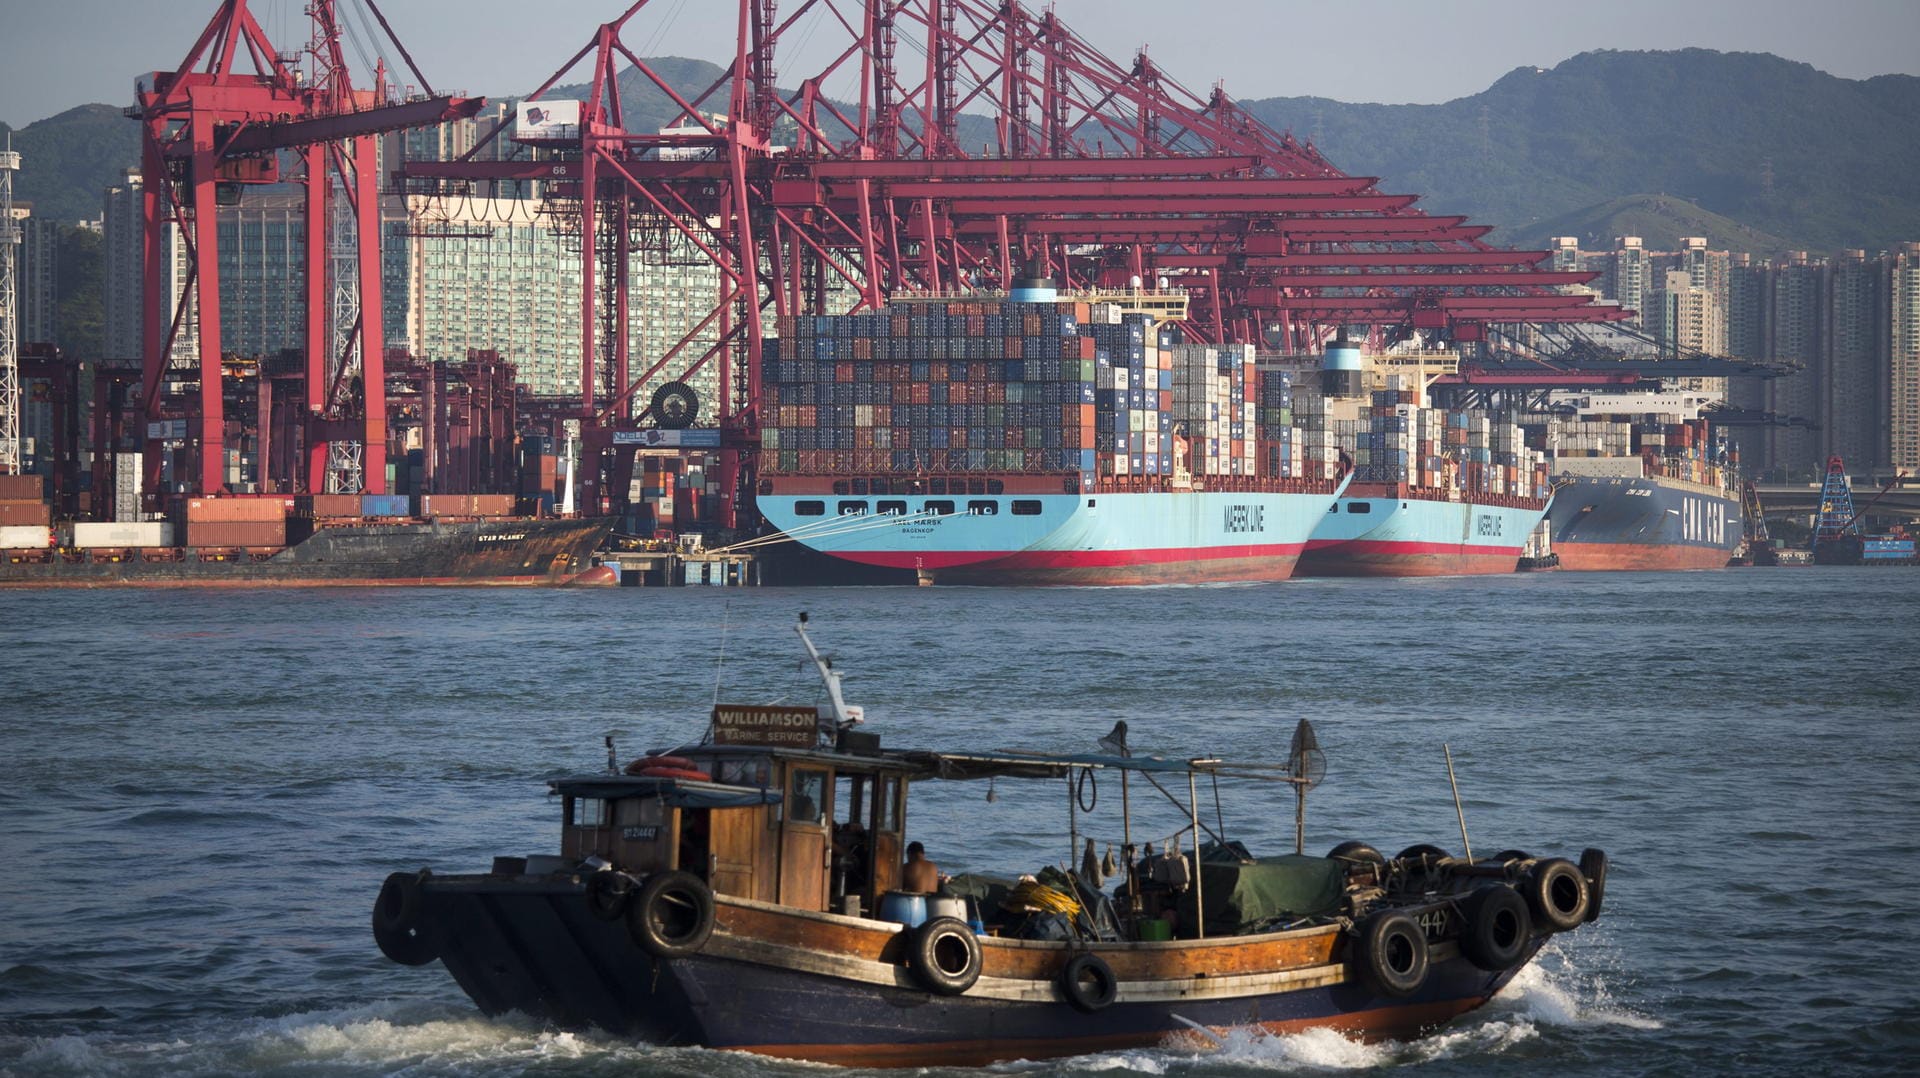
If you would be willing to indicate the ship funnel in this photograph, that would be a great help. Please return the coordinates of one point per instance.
(1341, 374)
(1034, 286)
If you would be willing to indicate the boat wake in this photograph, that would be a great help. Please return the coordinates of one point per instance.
(1550, 994)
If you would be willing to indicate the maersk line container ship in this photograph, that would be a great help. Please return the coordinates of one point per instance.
(1034, 440)
(1436, 493)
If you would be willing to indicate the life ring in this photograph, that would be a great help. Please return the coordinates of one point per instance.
(398, 923)
(1393, 953)
(1357, 852)
(1088, 983)
(1593, 865)
(608, 893)
(1557, 894)
(944, 955)
(672, 915)
(675, 773)
(640, 765)
(1498, 925)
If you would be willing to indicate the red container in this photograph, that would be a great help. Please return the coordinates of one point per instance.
(236, 533)
(240, 510)
(24, 513)
(21, 488)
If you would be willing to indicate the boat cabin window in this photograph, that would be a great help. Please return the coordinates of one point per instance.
(807, 798)
(1025, 507)
(887, 804)
(751, 771)
(893, 509)
(983, 508)
(589, 812)
(1359, 507)
(939, 509)
(809, 509)
(853, 509)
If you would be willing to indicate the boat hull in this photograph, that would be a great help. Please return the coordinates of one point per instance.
(494, 552)
(837, 989)
(1102, 539)
(1381, 532)
(1601, 524)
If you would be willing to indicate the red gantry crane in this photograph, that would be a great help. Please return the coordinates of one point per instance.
(983, 137)
(221, 120)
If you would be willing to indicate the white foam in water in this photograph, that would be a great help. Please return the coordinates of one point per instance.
(1552, 991)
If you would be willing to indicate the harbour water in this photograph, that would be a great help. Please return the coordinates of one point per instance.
(201, 792)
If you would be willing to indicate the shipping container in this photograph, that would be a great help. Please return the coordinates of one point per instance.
(25, 537)
(153, 533)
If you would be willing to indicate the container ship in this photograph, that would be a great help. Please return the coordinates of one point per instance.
(1639, 485)
(1036, 439)
(328, 539)
(1435, 492)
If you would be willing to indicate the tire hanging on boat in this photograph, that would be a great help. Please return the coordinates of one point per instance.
(1089, 983)
(672, 916)
(1593, 865)
(1557, 893)
(1422, 852)
(608, 893)
(1497, 928)
(399, 926)
(1393, 953)
(944, 955)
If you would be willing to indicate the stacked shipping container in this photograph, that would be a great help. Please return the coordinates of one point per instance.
(1012, 387)
(24, 514)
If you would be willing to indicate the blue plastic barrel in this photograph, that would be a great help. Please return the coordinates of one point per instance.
(909, 910)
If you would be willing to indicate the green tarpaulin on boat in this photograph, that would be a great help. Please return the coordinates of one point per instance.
(1243, 896)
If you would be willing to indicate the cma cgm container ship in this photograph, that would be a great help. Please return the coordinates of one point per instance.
(1034, 440)
(1436, 493)
(1638, 486)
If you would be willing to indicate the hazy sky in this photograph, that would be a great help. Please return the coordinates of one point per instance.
(55, 54)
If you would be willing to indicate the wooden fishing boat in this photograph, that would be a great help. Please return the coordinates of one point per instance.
(744, 893)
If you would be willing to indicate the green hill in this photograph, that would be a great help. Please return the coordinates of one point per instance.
(68, 161)
(1658, 219)
(1823, 161)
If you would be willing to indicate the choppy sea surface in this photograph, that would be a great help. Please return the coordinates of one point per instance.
(200, 794)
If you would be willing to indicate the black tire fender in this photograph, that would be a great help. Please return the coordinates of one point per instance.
(1089, 983)
(1358, 852)
(608, 892)
(944, 955)
(1497, 928)
(672, 914)
(1422, 852)
(1557, 894)
(1593, 865)
(399, 921)
(1393, 953)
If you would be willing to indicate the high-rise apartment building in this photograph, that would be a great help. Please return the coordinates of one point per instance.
(36, 278)
(1854, 368)
(1903, 383)
(1628, 276)
(1796, 334)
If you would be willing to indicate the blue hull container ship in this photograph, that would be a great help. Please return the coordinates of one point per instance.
(1036, 439)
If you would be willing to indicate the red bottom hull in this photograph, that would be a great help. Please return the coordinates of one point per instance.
(1360, 558)
(1602, 557)
(1124, 568)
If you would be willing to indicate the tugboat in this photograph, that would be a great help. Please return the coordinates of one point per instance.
(747, 893)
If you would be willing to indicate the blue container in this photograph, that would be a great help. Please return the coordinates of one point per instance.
(385, 505)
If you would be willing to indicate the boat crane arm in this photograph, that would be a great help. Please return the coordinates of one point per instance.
(844, 717)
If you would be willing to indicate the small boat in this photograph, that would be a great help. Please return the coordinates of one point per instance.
(748, 893)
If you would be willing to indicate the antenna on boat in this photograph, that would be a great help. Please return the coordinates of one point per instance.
(1457, 810)
(613, 761)
(844, 716)
(1308, 766)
